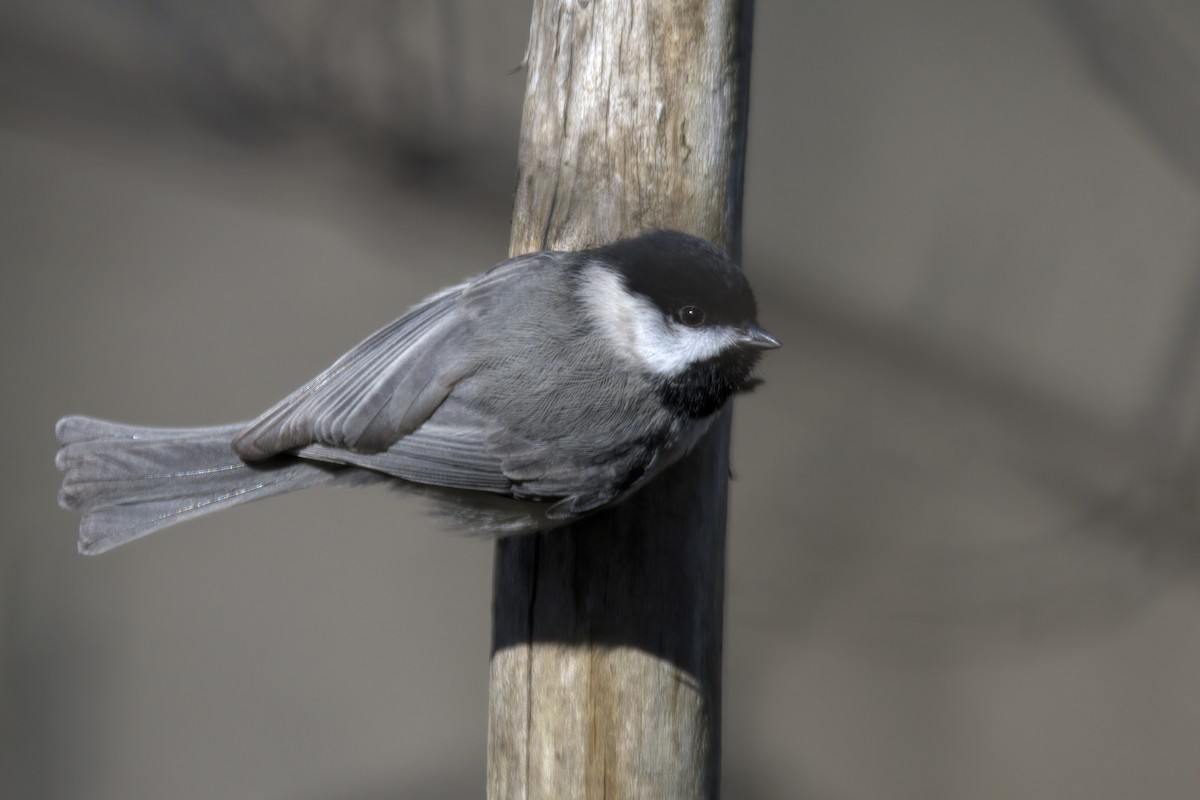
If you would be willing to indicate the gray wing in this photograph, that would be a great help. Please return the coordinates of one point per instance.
(485, 460)
(382, 389)
(390, 405)
(434, 454)
(387, 386)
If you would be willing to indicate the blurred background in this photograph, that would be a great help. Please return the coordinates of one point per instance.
(963, 545)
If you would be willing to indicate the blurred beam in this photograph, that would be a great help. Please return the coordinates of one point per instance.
(1147, 56)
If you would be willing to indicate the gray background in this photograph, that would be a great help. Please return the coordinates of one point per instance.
(963, 539)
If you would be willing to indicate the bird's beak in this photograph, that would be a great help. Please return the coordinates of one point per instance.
(757, 338)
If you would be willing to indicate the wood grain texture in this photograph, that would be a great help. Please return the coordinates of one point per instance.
(606, 660)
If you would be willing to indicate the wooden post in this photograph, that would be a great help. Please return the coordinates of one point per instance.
(606, 661)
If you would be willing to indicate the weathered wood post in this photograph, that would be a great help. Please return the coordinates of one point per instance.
(606, 661)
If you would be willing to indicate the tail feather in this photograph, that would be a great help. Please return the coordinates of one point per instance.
(130, 481)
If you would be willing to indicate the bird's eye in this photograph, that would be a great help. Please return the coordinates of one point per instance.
(692, 316)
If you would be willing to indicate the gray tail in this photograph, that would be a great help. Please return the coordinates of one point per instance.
(129, 481)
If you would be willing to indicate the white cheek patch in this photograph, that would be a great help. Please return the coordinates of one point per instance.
(641, 333)
(611, 308)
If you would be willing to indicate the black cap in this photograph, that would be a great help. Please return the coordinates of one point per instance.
(674, 270)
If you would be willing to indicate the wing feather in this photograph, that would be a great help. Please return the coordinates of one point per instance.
(365, 399)
(389, 385)
(403, 403)
(448, 457)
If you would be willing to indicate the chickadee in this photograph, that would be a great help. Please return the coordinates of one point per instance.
(551, 386)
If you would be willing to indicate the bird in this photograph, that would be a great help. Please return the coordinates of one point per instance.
(553, 385)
